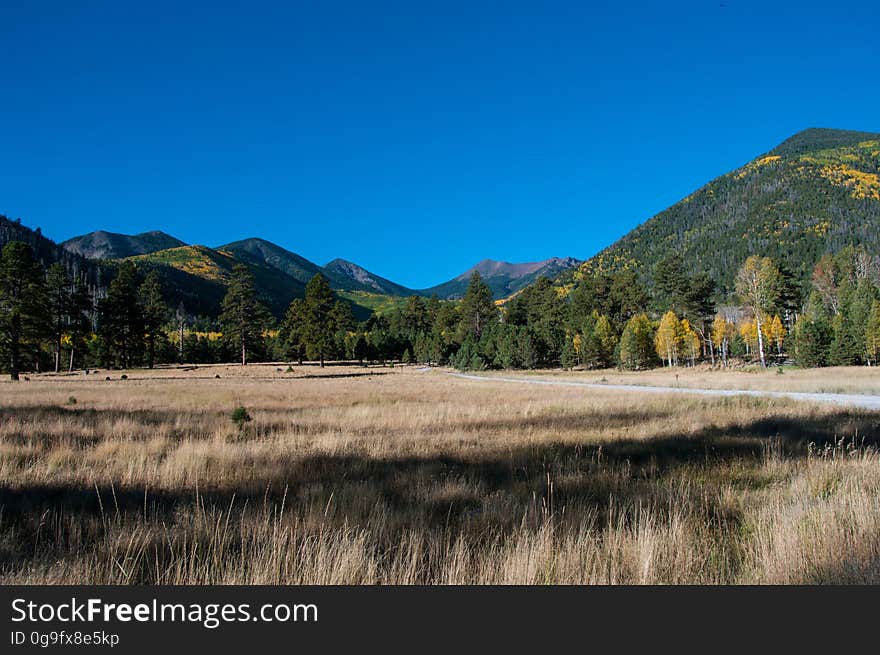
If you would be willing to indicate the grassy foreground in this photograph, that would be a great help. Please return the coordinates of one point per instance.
(351, 475)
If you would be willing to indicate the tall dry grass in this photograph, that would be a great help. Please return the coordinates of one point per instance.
(373, 476)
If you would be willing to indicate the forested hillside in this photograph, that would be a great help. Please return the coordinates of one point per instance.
(815, 193)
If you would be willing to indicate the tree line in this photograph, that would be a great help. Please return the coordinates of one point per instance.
(52, 319)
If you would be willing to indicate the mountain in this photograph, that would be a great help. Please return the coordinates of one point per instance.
(503, 278)
(267, 254)
(816, 192)
(206, 272)
(110, 245)
(348, 276)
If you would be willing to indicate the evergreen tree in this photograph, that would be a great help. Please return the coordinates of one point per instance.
(121, 322)
(79, 321)
(23, 303)
(569, 353)
(872, 334)
(605, 341)
(317, 329)
(637, 344)
(671, 282)
(154, 312)
(58, 291)
(341, 323)
(846, 347)
(244, 317)
(292, 330)
(477, 310)
(812, 340)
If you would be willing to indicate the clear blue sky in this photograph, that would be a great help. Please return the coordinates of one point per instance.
(414, 138)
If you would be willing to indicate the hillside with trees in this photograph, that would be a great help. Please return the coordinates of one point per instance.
(815, 193)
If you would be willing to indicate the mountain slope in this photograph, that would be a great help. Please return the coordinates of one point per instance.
(267, 254)
(503, 278)
(110, 245)
(816, 192)
(209, 270)
(348, 276)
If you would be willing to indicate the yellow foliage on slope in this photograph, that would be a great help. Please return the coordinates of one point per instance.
(861, 184)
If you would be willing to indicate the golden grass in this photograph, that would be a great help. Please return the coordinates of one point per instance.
(351, 475)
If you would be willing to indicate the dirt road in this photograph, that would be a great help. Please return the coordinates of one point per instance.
(843, 399)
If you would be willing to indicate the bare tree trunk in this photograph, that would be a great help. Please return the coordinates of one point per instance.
(70, 368)
(760, 339)
(243, 352)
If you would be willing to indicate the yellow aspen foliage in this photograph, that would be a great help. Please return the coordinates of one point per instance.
(668, 338)
(748, 330)
(776, 332)
(723, 332)
(689, 341)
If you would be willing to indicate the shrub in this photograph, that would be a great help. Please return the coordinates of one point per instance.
(240, 416)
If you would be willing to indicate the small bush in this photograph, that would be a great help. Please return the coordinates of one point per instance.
(289, 369)
(240, 416)
(71, 400)
(123, 377)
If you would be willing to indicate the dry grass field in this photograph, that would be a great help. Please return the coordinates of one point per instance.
(381, 475)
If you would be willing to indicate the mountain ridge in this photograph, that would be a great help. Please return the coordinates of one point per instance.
(503, 278)
(102, 244)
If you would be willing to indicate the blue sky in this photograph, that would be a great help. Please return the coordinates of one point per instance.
(414, 138)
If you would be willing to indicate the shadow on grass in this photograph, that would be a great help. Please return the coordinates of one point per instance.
(440, 492)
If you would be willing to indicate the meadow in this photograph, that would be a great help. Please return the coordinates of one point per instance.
(401, 475)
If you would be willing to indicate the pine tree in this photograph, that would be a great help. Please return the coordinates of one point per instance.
(637, 344)
(872, 334)
(317, 329)
(605, 341)
(121, 322)
(846, 347)
(812, 340)
(671, 282)
(58, 291)
(341, 323)
(244, 317)
(569, 355)
(80, 324)
(154, 312)
(292, 329)
(23, 317)
(477, 310)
